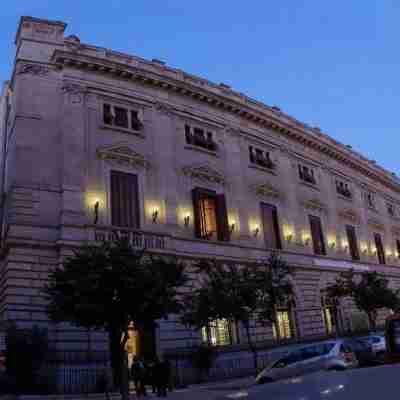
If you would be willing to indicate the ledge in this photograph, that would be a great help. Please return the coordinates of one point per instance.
(341, 197)
(122, 130)
(310, 185)
(263, 169)
(201, 150)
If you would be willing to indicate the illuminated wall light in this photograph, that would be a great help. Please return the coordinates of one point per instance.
(256, 231)
(332, 242)
(345, 245)
(288, 233)
(154, 216)
(94, 203)
(306, 238)
(153, 210)
(186, 221)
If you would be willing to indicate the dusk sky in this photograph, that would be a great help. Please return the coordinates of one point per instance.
(329, 64)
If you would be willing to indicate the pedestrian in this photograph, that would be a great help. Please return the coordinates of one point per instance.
(162, 377)
(151, 374)
(138, 374)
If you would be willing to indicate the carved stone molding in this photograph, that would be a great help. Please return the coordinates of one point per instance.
(396, 230)
(163, 108)
(33, 69)
(349, 215)
(375, 224)
(204, 173)
(315, 205)
(122, 154)
(73, 88)
(265, 190)
(232, 131)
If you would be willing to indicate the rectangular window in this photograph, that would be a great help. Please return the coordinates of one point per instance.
(136, 125)
(282, 329)
(220, 333)
(379, 248)
(199, 137)
(210, 215)
(107, 114)
(317, 235)
(269, 216)
(352, 240)
(124, 200)
(398, 247)
(121, 117)
(306, 174)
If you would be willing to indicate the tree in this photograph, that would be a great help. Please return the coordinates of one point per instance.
(274, 288)
(370, 293)
(111, 285)
(239, 293)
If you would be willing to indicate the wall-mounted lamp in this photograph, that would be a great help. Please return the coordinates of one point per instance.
(289, 237)
(232, 228)
(154, 216)
(307, 241)
(332, 245)
(96, 212)
(256, 231)
(186, 220)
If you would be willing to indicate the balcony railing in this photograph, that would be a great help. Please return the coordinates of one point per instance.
(138, 239)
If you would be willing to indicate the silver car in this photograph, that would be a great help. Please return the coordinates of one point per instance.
(331, 355)
(377, 342)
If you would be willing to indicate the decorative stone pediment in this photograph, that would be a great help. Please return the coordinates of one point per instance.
(123, 154)
(265, 190)
(349, 215)
(396, 230)
(315, 205)
(204, 173)
(375, 224)
(163, 108)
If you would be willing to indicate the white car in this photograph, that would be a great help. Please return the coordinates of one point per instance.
(377, 342)
(330, 355)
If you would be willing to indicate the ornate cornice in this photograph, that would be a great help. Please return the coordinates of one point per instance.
(204, 173)
(122, 154)
(228, 100)
(265, 190)
(349, 215)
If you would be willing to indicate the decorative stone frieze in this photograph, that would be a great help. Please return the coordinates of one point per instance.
(265, 189)
(349, 215)
(33, 69)
(315, 205)
(204, 173)
(123, 154)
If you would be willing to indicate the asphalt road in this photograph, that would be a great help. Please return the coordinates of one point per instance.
(378, 383)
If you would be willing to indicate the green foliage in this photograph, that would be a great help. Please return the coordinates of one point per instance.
(370, 293)
(238, 293)
(107, 286)
(26, 353)
(274, 287)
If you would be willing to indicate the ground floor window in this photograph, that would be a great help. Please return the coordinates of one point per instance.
(283, 328)
(331, 314)
(220, 332)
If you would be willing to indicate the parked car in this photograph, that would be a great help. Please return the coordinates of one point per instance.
(331, 355)
(363, 351)
(377, 342)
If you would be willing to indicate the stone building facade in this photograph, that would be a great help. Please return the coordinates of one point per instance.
(93, 140)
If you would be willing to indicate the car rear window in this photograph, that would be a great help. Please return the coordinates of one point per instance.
(376, 340)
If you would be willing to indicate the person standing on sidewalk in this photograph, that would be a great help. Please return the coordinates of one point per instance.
(138, 373)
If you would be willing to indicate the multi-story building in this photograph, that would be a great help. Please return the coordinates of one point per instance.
(93, 140)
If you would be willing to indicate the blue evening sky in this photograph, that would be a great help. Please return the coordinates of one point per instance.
(333, 64)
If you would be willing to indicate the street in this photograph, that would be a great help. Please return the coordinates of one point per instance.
(366, 384)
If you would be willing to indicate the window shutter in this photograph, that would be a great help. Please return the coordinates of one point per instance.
(317, 236)
(379, 248)
(124, 200)
(196, 196)
(352, 239)
(272, 236)
(301, 175)
(222, 218)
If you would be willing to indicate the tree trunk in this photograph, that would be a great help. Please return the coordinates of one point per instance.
(251, 346)
(372, 320)
(119, 363)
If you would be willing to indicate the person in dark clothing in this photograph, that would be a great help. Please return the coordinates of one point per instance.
(138, 373)
(162, 377)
